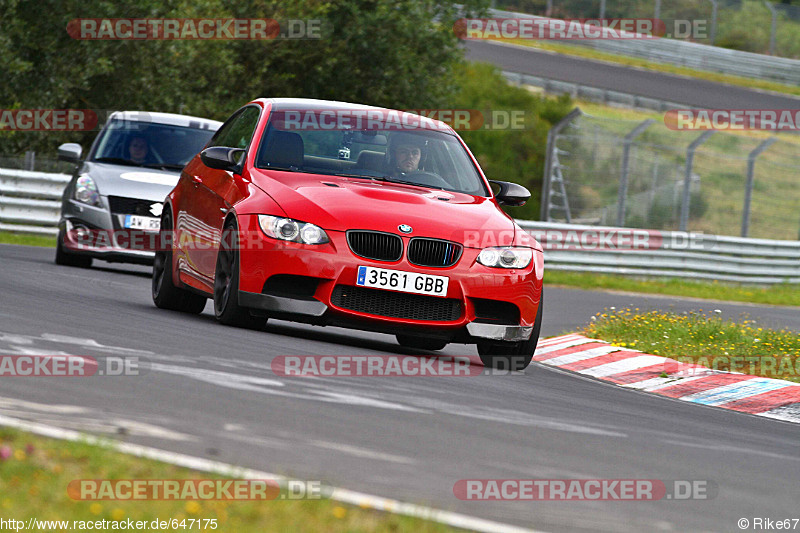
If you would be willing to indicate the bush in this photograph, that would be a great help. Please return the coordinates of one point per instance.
(516, 155)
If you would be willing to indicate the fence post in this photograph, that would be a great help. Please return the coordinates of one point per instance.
(773, 27)
(544, 211)
(687, 177)
(602, 9)
(623, 178)
(748, 191)
(714, 6)
(30, 161)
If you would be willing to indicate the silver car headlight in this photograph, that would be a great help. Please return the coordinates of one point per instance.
(288, 229)
(505, 257)
(86, 191)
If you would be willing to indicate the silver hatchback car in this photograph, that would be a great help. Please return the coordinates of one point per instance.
(111, 208)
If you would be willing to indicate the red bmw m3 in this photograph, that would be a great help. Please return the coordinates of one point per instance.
(332, 213)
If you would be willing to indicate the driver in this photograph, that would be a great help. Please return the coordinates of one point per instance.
(138, 149)
(406, 152)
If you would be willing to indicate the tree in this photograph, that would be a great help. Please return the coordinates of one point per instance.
(380, 52)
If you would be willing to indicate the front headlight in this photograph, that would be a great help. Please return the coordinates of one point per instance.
(505, 257)
(86, 191)
(288, 229)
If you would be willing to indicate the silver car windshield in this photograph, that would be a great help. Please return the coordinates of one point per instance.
(424, 157)
(149, 144)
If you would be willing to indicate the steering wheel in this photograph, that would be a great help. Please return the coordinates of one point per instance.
(427, 178)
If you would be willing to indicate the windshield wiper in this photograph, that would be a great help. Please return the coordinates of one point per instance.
(117, 160)
(390, 179)
(395, 180)
(381, 177)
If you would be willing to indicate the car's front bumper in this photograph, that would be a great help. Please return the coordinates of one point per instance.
(334, 265)
(96, 232)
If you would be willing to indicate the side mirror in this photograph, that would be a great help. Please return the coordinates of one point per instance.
(222, 158)
(70, 152)
(511, 194)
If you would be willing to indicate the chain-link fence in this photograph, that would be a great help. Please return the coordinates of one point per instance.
(643, 175)
(751, 25)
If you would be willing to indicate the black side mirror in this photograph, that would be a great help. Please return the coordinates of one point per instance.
(222, 158)
(511, 194)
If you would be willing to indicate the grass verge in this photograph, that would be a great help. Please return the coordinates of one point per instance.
(35, 472)
(780, 294)
(704, 339)
(7, 237)
(589, 53)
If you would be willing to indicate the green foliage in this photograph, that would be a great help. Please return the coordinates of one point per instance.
(397, 54)
(380, 52)
(509, 154)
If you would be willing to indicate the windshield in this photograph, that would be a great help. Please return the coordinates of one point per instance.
(148, 144)
(424, 157)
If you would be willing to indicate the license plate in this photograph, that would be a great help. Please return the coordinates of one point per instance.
(397, 280)
(142, 223)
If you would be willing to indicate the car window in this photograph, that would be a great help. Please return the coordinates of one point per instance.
(238, 131)
(158, 144)
(371, 154)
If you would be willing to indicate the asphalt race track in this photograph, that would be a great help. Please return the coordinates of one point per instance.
(667, 87)
(210, 393)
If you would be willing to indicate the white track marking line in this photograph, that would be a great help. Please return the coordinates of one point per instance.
(557, 340)
(617, 367)
(204, 465)
(362, 452)
(580, 356)
(561, 346)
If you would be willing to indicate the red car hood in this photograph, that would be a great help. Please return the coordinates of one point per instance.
(353, 203)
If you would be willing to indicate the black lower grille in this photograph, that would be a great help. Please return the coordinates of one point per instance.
(396, 304)
(495, 311)
(433, 252)
(375, 245)
(132, 206)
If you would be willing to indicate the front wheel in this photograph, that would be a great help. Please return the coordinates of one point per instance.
(512, 355)
(165, 294)
(226, 284)
(65, 258)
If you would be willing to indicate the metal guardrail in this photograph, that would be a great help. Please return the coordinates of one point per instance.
(692, 55)
(30, 202)
(675, 254)
(593, 94)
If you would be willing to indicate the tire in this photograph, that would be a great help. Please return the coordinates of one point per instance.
(512, 355)
(165, 294)
(65, 258)
(226, 285)
(420, 343)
